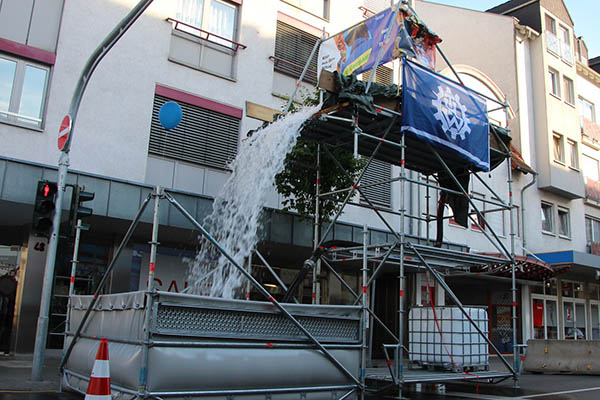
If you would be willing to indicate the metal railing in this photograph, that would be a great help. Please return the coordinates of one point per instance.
(205, 35)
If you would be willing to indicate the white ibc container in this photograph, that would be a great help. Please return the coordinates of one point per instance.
(456, 344)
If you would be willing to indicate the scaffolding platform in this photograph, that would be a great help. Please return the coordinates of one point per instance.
(345, 122)
(379, 376)
(434, 256)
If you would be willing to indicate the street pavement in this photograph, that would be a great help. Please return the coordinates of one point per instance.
(16, 384)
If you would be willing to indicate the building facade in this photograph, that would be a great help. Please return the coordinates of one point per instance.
(230, 64)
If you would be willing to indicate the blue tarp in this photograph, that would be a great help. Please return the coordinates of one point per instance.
(445, 114)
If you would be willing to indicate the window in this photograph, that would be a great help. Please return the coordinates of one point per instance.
(592, 235)
(547, 220)
(214, 16)
(23, 88)
(559, 148)
(496, 220)
(550, 25)
(292, 48)
(590, 167)
(552, 42)
(565, 44)
(586, 109)
(480, 204)
(381, 194)
(569, 90)
(320, 8)
(203, 136)
(573, 156)
(564, 225)
(553, 82)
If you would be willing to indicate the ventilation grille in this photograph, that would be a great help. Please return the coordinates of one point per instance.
(203, 136)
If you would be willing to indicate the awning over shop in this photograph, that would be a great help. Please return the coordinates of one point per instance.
(526, 268)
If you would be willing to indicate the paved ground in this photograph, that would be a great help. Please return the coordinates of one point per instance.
(16, 384)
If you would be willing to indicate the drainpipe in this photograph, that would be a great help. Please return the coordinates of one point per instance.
(523, 210)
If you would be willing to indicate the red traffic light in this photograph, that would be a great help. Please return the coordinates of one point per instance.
(46, 190)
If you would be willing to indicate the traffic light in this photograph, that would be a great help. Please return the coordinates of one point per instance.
(78, 211)
(43, 208)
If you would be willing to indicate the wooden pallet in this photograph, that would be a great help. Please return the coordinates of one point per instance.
(446, 366)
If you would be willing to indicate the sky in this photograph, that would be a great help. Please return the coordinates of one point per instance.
(584, 13)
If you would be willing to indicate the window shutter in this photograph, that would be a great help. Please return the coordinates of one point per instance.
(380, 195)
(383, 75)
(203, 136)
(294, 45)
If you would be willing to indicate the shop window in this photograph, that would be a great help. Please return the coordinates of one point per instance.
(547, 219)
(320, 8)
(293, 47)
(558, 145)
(569, 90)
(554, 82)
(23, 87)
(204, 136)
(564, 223)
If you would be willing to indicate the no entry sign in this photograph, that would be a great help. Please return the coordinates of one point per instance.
(64, 131)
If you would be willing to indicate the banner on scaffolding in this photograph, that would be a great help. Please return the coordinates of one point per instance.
(355, 50)
(445, 114)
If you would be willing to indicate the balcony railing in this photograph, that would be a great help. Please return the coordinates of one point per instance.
(559, 47)
(293, 69)
(552, 43)
(205, 35)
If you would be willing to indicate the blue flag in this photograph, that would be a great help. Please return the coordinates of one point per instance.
(446, 114)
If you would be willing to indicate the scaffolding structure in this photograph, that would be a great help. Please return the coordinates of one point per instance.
(377, 138)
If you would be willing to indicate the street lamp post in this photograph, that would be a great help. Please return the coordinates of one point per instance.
(63, 164)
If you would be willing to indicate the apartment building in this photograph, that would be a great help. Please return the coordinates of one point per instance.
(226, 62)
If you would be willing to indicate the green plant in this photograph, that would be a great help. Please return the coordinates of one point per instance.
(297, 181)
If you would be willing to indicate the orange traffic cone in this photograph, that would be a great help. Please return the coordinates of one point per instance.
(99, 386)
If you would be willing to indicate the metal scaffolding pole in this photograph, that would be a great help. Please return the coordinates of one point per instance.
(262, 290)
(365, 315)
(399, 350)
(449, 291)
(158, 193)
(104, 279)
(316, 292)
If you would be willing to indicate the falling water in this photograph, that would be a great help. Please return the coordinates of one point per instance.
(234, 220)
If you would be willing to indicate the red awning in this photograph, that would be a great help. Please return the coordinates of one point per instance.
(526, 268)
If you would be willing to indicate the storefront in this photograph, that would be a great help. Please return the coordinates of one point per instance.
(567, 307)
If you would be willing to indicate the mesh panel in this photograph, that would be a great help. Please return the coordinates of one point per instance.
(190, 321)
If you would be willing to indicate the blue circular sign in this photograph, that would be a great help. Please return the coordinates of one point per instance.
(170, 115)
